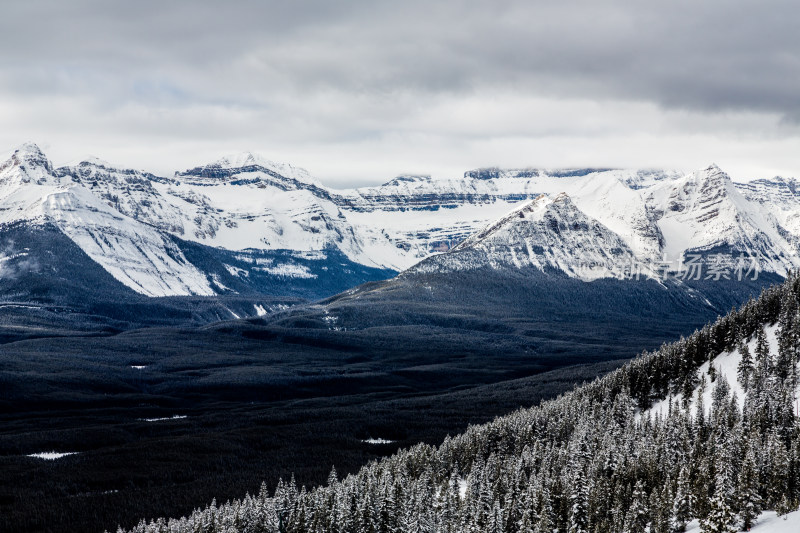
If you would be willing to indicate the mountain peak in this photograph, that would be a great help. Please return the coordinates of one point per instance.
(531, 210)
(244, 162)
(562, 197)
(547, 233)
(407, 179)
(716, 178)
(29, 148)
(559, 207)
(29, 163)
(31, 153)
(95, 162)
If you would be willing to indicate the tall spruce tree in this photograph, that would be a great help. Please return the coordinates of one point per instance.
(747, 489)
(744, 371)
(637, 518)
(683, 506)
(721, 516)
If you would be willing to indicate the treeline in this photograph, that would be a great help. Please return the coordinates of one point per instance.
(589, 461)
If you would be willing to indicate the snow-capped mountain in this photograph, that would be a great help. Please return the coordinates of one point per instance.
(548, 233)
(244, 223)
(661, 216)
(248, 225)
(704, 211)
(779, 196)
(132, 251)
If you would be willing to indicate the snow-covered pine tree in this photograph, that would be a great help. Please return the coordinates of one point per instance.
(661, 508)
(747, 487)
(684, 502)
(578, 501)
(721, 516)
(763, 360)
(744, 371)
(637, 517)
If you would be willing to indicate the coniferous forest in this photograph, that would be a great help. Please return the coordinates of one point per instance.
(593, 460)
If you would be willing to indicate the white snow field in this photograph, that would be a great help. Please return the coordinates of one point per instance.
(377, 441)
(50, 456)
(162, 419)
(768, 522)
(726, 365)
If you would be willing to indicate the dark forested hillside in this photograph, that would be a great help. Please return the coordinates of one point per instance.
(410, 360)
(592, 460)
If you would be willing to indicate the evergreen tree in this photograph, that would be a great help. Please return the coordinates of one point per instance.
(578, 502)
(637, 517)
(547, 522)
(721, 516)
(762, 359)
(785, 506)
(683, 506)
(745, 368)
(777, 469)
(661, 508)
(747, 490)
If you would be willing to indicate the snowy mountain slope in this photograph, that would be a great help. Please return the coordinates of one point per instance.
(135, 226)
(227, 206)
(725, 367)
(25, 179)
(134, 194)
(244, 201)
(455, 208)
(547, 233)
(779, 196)
(659, 214)
(767, 522)
(133, 252)
(704, 210)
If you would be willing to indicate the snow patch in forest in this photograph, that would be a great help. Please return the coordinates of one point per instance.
(725, 365)
(236, 271)
(174, 417)
(289, 270)
(377, 441)
(50, 456)
(768, 522)
(260, 311)
(462, 488)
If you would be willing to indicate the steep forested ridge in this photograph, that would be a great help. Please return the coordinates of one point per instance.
(593, 460)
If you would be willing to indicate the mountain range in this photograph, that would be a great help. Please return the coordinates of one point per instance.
(90, 246)
(244, 224)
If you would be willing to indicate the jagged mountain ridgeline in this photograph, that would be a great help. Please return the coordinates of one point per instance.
(702, 432)
(245, 227)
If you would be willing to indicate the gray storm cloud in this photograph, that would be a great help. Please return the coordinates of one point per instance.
(358, 90)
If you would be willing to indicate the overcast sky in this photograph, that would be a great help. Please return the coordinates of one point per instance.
(358, 92)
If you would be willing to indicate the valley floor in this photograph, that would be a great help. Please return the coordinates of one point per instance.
(153, 434)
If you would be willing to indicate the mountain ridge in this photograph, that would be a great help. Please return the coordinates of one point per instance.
(247, 202)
